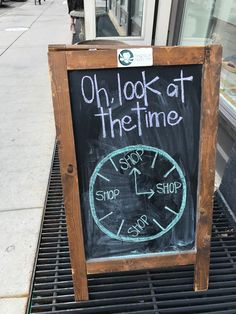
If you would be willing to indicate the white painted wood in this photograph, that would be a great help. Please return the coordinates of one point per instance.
(228, 111)
(163, 18)
(90, 19)
(144, 39)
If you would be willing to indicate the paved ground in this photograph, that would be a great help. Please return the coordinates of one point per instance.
(8, 5)
(27, 138)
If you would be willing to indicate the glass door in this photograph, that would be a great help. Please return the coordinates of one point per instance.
(130, 21)
(208, 22)
(214, 21)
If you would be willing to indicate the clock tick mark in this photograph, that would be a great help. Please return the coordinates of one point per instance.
(121, 225)
(171, 210)
(154, 160)
(114, 165)
(103, 177)
(168, 172)
(105, 216)
(157, 223)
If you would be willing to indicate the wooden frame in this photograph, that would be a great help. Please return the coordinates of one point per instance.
(64, 58)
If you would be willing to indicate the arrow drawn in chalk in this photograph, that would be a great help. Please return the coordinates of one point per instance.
(136, 172)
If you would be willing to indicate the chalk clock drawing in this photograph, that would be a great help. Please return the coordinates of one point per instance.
(137, 193)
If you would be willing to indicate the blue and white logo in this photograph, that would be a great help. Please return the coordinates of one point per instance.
(126, 57)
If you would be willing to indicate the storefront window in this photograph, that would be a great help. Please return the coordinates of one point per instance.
(214, 21)
(119, 18)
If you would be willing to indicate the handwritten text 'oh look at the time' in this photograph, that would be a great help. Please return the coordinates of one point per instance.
(139, 92)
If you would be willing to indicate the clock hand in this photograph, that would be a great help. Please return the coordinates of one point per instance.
(135, 171)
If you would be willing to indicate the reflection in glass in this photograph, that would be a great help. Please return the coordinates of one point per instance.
(196, 21)
(214, 21)
(119, 18)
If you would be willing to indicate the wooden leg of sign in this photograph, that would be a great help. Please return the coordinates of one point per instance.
(209, 122)
(62, 111)
(201, 271)
(76, 243)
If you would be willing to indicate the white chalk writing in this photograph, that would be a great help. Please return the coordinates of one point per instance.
(136, 95)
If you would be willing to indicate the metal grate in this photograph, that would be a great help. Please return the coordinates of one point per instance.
(168, 291)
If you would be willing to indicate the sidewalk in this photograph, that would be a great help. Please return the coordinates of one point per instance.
(27, 139)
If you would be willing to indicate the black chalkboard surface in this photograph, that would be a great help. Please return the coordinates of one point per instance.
(136, 135)
(136, 131)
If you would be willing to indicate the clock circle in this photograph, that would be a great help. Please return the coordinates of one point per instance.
(137, 193)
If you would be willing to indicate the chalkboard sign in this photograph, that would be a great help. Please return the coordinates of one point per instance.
(139, 160)
(136, 130)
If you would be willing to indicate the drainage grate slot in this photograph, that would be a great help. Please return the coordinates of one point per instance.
(165, 291)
